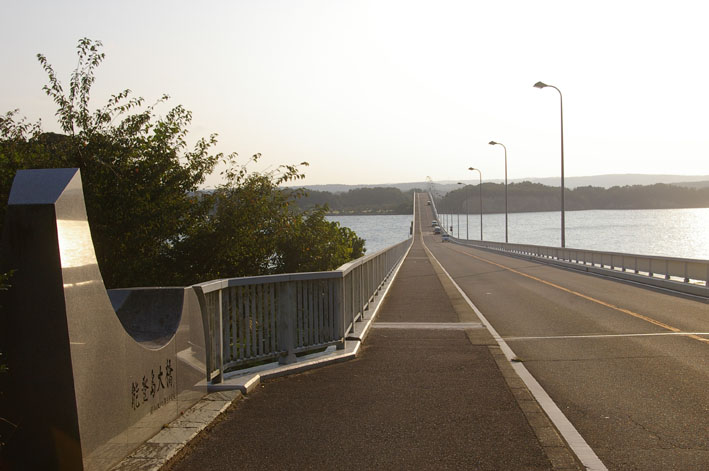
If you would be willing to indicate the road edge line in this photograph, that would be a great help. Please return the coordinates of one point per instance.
(573, 438)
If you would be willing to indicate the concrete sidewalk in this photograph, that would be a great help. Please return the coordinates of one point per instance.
(429, 389)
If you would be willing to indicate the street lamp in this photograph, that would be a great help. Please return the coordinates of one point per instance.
(493, 143)
(463, 206)
(480, 186)
(561, 107)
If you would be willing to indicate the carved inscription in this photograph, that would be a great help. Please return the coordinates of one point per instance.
(147, 390)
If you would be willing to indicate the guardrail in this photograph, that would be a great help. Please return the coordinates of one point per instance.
(679, 269)
(681, 274)
(261, 318)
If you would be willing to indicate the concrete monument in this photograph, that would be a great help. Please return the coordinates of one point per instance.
(92, 374)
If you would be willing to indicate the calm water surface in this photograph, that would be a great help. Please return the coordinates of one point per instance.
(379, 232)
(667, 232)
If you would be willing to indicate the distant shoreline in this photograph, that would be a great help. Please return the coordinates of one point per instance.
(338, 214)
(523, 197)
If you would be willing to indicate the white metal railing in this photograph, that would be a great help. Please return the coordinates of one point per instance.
(363, 278)
(263, 318)
(692, 273)
(685, 270)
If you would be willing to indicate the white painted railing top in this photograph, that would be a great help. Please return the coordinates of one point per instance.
(216, 285)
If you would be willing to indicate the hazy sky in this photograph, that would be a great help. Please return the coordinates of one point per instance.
(394, 91)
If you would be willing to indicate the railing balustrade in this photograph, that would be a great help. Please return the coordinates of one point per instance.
(264, 318)
(687, 271)
(693, 273)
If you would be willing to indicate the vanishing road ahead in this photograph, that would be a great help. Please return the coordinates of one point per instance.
(627, 365)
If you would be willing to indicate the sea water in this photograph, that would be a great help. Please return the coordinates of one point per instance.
(664, 232)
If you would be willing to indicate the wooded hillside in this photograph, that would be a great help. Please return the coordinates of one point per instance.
(527, 197)
(361, 201)
(523, 197)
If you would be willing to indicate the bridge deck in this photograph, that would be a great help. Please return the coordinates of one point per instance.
(627, 365)
(424, 396)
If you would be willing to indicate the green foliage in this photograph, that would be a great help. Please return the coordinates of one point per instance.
(317, 244)
(136, 169)
(150, 223)
(255, 228)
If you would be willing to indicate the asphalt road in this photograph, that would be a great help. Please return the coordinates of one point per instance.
(616, 358)
(414, 398)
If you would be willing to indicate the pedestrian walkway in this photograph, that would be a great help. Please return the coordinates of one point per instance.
(423, 393)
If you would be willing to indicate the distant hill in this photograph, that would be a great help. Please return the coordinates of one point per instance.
(526, 196)
(335, 188)
(611, 180)
(523, 197)
(602, 181)
(380, 200)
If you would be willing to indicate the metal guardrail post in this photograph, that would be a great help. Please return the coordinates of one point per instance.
(339, 306)
(363, 298)
(286, 322)
(220, 358)
(206, 323)
(353, 300)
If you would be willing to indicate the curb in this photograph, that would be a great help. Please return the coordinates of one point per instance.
(171, 440)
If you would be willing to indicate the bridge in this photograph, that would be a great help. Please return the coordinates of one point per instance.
(599, 371)
(448, 355)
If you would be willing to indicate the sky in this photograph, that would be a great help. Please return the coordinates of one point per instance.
(387, 91)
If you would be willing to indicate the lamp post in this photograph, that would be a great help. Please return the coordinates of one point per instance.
(445, 214)
(480, 186)
(493, 143)
(561, 108)
(464, 207)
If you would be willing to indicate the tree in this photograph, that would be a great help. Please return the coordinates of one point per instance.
(150, 223)
(137, 172)
(316, 244)
(256, 228)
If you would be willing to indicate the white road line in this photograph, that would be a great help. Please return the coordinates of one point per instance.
(576, 442)
(602, 336)
(428, 325)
